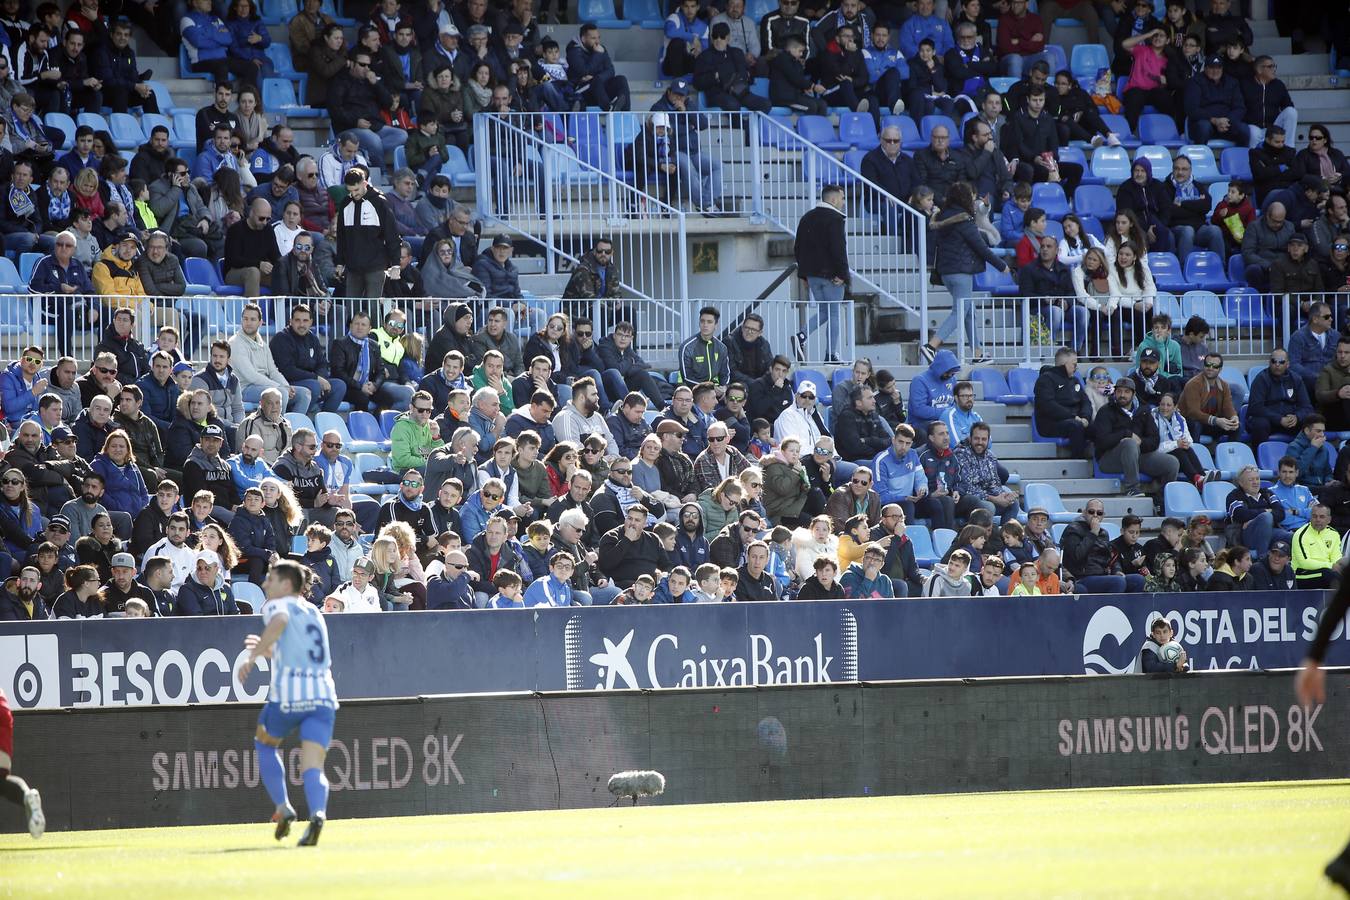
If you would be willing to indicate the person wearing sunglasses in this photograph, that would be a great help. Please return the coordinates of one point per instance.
(408, 506)
(251, 249)
(1207, 402)
(414, 436)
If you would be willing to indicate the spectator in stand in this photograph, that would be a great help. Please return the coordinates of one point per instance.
(251, 250)
(1274, 573)
(367, 238)
(843, 71)
(219, 380)
(1274, 165)
(960, 417)
(1021, 38)
(931, 392)
(301, 359)
(65, 84)
(1321, 158)
(1317, 561)
(54, 276)
(959, 259)
(900, 476)
(20, 218)
(1313, 346)
(1214, 106)
(1049, 278)
(148, 163)
(1189, 203)
(925, 25)
(889, 169)
(628, 550)
(1031, 137)
(1332, 226)
(159, 391)
(777, 26)
(1089, 558)
(1174, 439)
(1145, 199)
(1296, 499)
(723, 71)
(274, 153)
(862, 433)
(936, 166)
(208, 41)
(978, 479)
(249, 40)
(1311, 453)
(686, 39)
(854, 499)
(1129, 442)
(1264, 242)
(1278, 402)
(496, 271)
(1266, 102)
(790, 84)
(253, 363)
(1295, 275)
(592, 71)
(1207, 402)
(1076, 116)
(179, 209)
(357, 100)
(624, 369)
(1332, 391)
(218, 113)
(1145, 53)
(1254, 513)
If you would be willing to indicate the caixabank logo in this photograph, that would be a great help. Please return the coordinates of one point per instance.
(638, 658)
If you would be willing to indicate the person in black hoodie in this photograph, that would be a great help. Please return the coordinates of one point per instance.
(1274, 572)
(1274, 164)
(789, 83)
(748, 350)
(723, 74)
(1148, 199)
(115, 65)
(823, 584)
(1031, 137)
(1049, 278)
(1076, 116)
(367, 237)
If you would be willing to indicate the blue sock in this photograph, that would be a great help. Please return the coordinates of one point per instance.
(316, 792)
(272, 771)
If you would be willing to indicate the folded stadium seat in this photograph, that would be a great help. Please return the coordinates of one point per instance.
(1158, 157)
(996, 388)
(1252, 373)
(1022, 381)
(201, 271)
(601, 12)
(1269, 453)
(1182, 500)
(165, 100)
(327, 421)
(1112, 165)
(1120, 126)
(185, 127)
(1237, 270)
(1235, 163)
(818, 130)
(457, 168)
(1215, 495)
(365, 427)
(1000, 284)
(1203, 167)
(279, 52)
(126, 131)
(567, 168)
(928, 123)
(644, 13)
(1054, 229)
(65, 123)
(185, 65)
(1057, 59)
(387, 419)
(1248, 307)
(942, 541)
(364, 462)
(299, 420)
(1156, 128)
(94, 121)
(1167, 274)
(1086, 60)
(1092, 200)
(279, 97)
(1231, 456)
(1003, 83)
(1218, 190)
(824, 392)
(909, 132)
(776, 131)
(925, 554)
(1050, 197)
(1075, 155)
(1047, 496)
(1206, 270)
(1207, 305)
(858, 130)
(1092, 226)
(10, 282)
(246, 591)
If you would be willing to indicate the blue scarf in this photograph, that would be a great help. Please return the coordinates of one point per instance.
(413, 505)
(1186, 190)
(363, 363)
(58, 209)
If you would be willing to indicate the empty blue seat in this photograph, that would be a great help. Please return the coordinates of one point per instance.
(1218, 190)
(1087, 59)
(646, 13)
(1269, 453)
(1000, 284)
(996, 389)
(279, 96)
(1071, 154)
(65, 124)
(1205, 269)
(1049, 196)
(1231, 456)
(942, 541)
(126, 131)
(94, 121)
(1094, 200)
(777, 131)
(1047, 497)
(1182, 500)
(925, 555)
(1022, 381)
(819, 131)
(1248, 307)
(201, 271)
(1235, 162)
(1203, 167)
(1156, 128)
(1120, 127)
(10, 282)
(1167, 274)
(1207, 305)
(1158, 158)
(858, 130)
(1112, 164)
(1003, 83)
(365, 427)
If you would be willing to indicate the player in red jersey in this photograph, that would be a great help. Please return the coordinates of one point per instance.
(12, 787)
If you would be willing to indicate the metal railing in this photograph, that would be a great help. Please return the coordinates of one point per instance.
(61, 326)
(1241, 322)
(747, 165)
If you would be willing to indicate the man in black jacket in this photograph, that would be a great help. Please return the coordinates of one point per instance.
(790, 84)
(860, 434)
(367, 238)
(936, 165)
(1267, 102)
(1031, 138)
(892, 171)
(843, 71)
(1274, 165)
(1127, 442)
(116, 65)
(629, 550)
(748, 350)
(723, 74)
(1150, 383)
(1061, 407)
(356, 100)
(629, 370)
(300, 357)
(822, 262)
(150, 159)
(771, 394)
(984, 165)
(1050, 279)
(1274, 572)
(1190, 203)
(251, 249)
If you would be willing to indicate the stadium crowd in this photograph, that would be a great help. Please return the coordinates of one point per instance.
(530, 463)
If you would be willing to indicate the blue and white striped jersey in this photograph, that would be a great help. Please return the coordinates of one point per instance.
(302, 679)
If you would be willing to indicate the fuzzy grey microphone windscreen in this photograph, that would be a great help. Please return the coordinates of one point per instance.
(637, 784)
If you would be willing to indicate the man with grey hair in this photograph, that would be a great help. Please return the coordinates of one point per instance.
(487, 421)
(889, 169)
(720, 460)
(743, 31)
(458, 231)
(297, 467)
(314, 208)
(268, 423)
(402, 202)
(334, 164)
(1254, 513)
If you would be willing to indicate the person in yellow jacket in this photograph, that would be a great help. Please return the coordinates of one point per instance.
(115, 276)
(1317, 551)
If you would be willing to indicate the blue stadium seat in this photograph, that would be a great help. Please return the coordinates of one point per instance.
(387, 419)
(16, 309)
(1022, 381)
(646, 13)
(1094, 200)
(9, 277)
(1252, 373)
(1158, 157)
(126, 131)
(942, 540)
(457, 168)
(1093, 226)
(201, 271)
(1167, 274)
(279, 52)
(275, 12)
(1120, 126)
(364, 463)
(1218, 190)
(1003, 83)
(1182, 500)
(909, 132)
(94, 121)
(299, 420)
(1156, 128)
(185, 127)
(1047, 496)
(925, 555)
(327, 421)
(1050, 197)
(1054, 229)
(1216, 493)
(858, 130)
(185, 65)
(1269, 453)
(246, 591)
(1000, 284)
(996, 389)
(1087, 59)
(1205, 269)
(1207, 305)
(1249, 308)
(1056, 57)
(1203, 167)
(165, 99)
(63, 122)
(818, 130)
(299, 544)
(1236, 163)
(928, 123)
(26, 263)
(783, 138)
(279, 97)
(1112, 164)
(1237, 269)
(1231, 456)
(365, 427)
(1071, 154)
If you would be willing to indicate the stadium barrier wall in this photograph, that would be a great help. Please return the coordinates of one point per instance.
(137, 662)
(196, 765)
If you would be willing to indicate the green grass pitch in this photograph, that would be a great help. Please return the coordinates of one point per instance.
(1229, 841)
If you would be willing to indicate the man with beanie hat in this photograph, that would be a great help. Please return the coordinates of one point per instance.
(1126, 441)
(457, 333)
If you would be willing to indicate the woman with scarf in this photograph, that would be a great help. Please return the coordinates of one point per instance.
(253, 127)
(87, 194)
(443, 100)
(1175, 438)
(29, 138)
(477, 91)
(113, 173)
(1146, 197)
(1095, 289)
(1322, 159)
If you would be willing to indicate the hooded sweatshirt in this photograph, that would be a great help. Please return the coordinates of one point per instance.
(932, 391)
(942, 584)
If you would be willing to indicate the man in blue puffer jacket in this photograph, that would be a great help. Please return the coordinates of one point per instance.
(20, 387)
(1214, 106)
(932, 391)
(207, 39)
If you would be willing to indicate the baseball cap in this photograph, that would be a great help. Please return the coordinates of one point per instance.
(182, 367)
(208, 556)
(214, 431)
(1281, 547)
(1150, 354)
(475, 30)
(670, 426)
(1214, 61)
(126, 561)
(807, 387)
(659, 119)
(680, 87)
(502, 240)
(62, 433)
(1038, 511)
(1297, 238)
(365, 564)
(59, 521)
